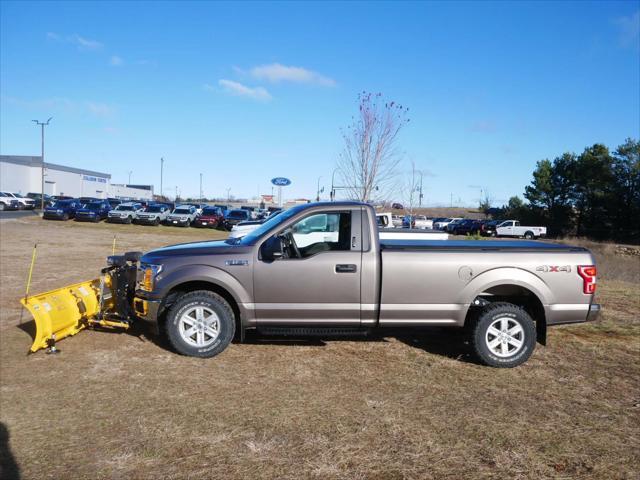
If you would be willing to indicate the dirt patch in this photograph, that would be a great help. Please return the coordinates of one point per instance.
(412, 406)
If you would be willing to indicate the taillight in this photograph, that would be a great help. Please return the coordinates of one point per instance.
(588, 274)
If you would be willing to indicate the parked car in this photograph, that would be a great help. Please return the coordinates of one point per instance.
(93, 211)
(154, 214)
(125, 213)
(489, 229)
(198, 206)
(449, 227)
(321, 269)
(24, 203)
(467, 226)
(397, 221)
(86, 200)
(182, 216)
(244, 228)
(37, 198)
(422, 222)
(397, 206)
(62, 210)
(442, 224)
(114, 202)
(61, 197)
(512, 228)
(212, 217)
(236, 216)
(8, 202)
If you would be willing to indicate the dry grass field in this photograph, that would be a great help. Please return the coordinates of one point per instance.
(403, 406)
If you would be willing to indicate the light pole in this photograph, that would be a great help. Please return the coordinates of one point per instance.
(420, 198)
(161, 168)
(200, 188)
(318, 190)
(42, 125)
(228, 195)
(130, 172)
(333, 191)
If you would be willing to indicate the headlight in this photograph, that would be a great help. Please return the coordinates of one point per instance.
(149, 273)
(58, 211)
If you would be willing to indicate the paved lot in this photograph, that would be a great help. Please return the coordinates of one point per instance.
(13, 214)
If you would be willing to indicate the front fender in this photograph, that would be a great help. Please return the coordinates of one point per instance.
(202, 273)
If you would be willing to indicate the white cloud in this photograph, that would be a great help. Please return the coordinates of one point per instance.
(240, 90)
(116, 61)
(275, 73)
(81, 42)
(629, 29)
(101, 110)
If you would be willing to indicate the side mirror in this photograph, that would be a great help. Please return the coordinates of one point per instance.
(272, 249)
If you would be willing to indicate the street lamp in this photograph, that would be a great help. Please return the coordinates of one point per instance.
(333, 191)
(200, 188)
(130, 172)
(161, 168)
(318, 190)
(42, 125)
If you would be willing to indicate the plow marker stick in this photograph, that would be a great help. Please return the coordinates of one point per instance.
(33, 261)
(113, 248)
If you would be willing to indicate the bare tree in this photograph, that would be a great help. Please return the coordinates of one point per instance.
(370, 157)
(484, 205)
(411, 188)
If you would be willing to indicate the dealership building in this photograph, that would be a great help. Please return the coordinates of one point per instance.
(23, 174)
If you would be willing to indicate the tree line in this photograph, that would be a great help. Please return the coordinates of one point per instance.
(593, 194)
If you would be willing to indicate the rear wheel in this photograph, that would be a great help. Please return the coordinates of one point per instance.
(529, 235)
(65, 216)
(129, 220)
(503, 336)
(200, 324)
(1, 207)
(156, 222)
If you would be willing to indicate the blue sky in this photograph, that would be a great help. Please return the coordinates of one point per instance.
(244, 92)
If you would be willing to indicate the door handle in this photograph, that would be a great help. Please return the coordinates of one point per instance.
(346, 268)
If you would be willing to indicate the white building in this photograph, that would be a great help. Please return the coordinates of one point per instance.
(23, 174)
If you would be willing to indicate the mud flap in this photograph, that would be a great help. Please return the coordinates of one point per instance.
(62, 312)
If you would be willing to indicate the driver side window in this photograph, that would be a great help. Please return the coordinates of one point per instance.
(322, 232)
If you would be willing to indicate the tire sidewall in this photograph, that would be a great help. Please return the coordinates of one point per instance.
(484, 322)
(226, 324)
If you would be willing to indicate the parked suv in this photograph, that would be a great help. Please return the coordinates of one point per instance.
(182, 216)
(125, 213)
(24, 203)
(62, 210)
(93, 211)
(154, 214)
(8, 202)
(37, 198)
(212, 217)
(236, 216)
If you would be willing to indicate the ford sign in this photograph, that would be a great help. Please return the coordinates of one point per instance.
(281, 181)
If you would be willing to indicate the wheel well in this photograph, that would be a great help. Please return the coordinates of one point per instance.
(186, 287)
(517, 295)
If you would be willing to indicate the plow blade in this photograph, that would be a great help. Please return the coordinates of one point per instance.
(63, 312)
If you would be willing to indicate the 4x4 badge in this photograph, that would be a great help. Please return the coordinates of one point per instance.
(553, 268)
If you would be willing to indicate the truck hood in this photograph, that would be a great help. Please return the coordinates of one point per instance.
(193, 248)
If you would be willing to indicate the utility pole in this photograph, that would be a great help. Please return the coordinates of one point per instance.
(130, 172)
(420, 198)
(228, 195)
(451, 205)
(42, 125)
(318, 190)
(176, 194)
(161, 168)
(333, 191)
(200, 188)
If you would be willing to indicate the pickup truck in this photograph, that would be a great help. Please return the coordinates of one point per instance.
(320, 269)
(512, 228)
(9, 202)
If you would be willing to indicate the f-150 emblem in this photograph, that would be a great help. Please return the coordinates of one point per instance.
(237, 263)
(553, 268)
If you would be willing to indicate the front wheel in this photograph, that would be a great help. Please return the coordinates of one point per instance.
(129, 220)
(529, 235)
(503, 336)
(200, 324)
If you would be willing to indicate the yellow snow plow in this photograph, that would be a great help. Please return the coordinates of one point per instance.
(103, 303)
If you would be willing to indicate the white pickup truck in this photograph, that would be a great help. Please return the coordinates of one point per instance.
(512, 228)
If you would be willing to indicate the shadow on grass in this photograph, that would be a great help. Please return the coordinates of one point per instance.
(9, 469)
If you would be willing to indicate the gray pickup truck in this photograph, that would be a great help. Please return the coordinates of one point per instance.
(320, 269)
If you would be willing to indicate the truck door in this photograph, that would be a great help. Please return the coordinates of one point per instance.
(317, 282)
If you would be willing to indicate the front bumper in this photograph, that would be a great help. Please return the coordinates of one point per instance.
(178, 221)
(147, 309)
(148, 220)
(53, 216)
(206, 223)
(87, 218)
(118, 219)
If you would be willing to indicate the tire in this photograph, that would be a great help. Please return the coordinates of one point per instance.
(184, 310)
(156, 222)
(1, 207)
(528, 235)
(514, 349)
(65, 217)
(129, 220)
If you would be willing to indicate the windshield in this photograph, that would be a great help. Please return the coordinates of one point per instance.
(238, 214)
(124, 208)
(62, 203)
(93, 206)
(271, 223)
(210, 211)
(182, 211)
(155, 209)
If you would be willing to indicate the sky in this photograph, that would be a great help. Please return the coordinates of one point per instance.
(245, 92)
